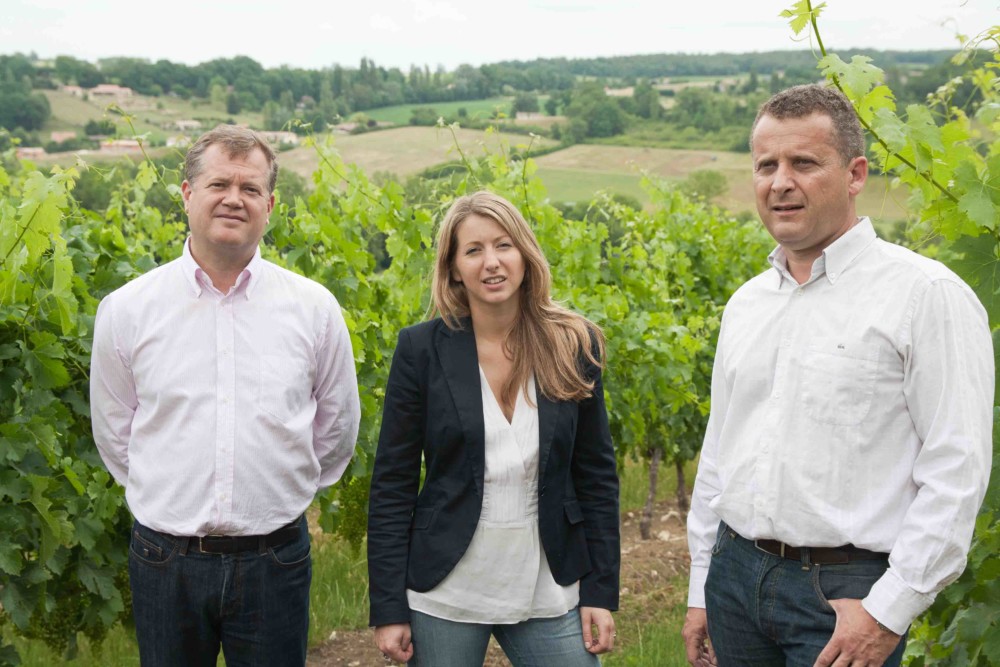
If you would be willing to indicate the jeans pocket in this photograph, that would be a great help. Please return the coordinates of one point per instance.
(724, 535)
(155, 550)
(852, 581)
(291, 554)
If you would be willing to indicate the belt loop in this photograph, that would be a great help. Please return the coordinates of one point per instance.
(806, 557)
(183, 544)
(262, 545)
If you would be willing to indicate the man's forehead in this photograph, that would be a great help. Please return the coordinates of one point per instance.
(788, 130)
(218, 157)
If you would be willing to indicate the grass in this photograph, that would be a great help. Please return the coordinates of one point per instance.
(405, 151)
(339, 601)
(152, 115)
(400, 114)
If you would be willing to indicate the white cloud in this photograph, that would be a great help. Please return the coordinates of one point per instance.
(384, 24)
(428, 10)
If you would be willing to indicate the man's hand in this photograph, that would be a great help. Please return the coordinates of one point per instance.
(605, 641)
(695, 633)
(394, 641)
(857, 640)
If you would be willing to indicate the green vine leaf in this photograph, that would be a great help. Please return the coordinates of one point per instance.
(857, 77)
(979, 265)
(800, 14)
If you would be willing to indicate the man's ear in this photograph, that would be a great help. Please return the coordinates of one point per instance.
(858, 171)
(186, 193)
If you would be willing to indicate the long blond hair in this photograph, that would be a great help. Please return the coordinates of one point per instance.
(546, 339)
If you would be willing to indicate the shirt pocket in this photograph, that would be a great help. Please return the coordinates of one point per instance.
(285, 386)
(838, 380)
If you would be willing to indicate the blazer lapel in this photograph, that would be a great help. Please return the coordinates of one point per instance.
(460, 362)
(548, 412)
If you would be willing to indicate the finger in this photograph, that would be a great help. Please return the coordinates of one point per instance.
(710, 654)
(694, 645)
(602, 644)
(585, 620)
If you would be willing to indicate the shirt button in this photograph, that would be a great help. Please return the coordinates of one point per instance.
(798, 292)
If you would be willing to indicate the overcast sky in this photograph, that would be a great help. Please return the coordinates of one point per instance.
(306, 33)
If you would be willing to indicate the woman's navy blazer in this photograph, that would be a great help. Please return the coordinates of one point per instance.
(434, 408)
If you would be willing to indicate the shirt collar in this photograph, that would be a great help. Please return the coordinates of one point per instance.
(835, 258)
(197, 278)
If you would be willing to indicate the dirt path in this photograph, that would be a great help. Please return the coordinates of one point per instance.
(647, 568)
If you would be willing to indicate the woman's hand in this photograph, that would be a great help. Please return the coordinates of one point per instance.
(605, 640)
(394, 641)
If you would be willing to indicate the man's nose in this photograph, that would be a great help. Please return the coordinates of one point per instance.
(783, 179)
(233, 197)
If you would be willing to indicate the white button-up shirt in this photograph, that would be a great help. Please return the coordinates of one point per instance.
(222, 413)
(855, 408)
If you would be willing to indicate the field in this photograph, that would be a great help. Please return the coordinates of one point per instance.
(405, 151)
(152, 115)
(575, 173)
(481, 109)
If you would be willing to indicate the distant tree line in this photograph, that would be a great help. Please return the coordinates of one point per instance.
(574, 87)
(653, 66)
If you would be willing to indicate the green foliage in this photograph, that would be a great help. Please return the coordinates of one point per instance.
(20, 108)
(707, 183)
(676, 269)
(592, 109)
(949, 156)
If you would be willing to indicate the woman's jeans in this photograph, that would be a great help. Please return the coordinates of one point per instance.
(255, 604)
(768, 611)
(537, 642)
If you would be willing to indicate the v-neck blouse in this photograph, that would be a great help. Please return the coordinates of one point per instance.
(503, 577)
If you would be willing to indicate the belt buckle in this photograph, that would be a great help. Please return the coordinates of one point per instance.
(201, 546)
(781, 548)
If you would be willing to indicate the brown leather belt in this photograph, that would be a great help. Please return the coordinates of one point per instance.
(819, 555)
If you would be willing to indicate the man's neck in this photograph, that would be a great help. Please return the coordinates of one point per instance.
(223, 270)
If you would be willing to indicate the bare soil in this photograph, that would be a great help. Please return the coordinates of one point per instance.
(649, 568)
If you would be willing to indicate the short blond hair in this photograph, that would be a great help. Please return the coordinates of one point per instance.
(235, 141)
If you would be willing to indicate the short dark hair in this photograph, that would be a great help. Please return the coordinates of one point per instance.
(802, 101)
(236, 141)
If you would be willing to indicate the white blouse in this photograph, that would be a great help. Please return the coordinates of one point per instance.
(503, 576)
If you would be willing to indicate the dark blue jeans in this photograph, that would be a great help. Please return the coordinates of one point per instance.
(254, 604)
(768, 611)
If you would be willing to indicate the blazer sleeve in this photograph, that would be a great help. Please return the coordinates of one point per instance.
(595, 479)
(395, 481)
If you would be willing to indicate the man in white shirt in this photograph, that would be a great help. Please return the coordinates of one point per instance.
(223, 396)
(848, 447)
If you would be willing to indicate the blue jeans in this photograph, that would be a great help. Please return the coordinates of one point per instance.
(537, 642)
(255, 604)
(768, 611)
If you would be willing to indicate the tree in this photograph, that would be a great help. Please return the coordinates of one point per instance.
(19, 107)
(524, 102)
(707, 183)
(647, 101)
